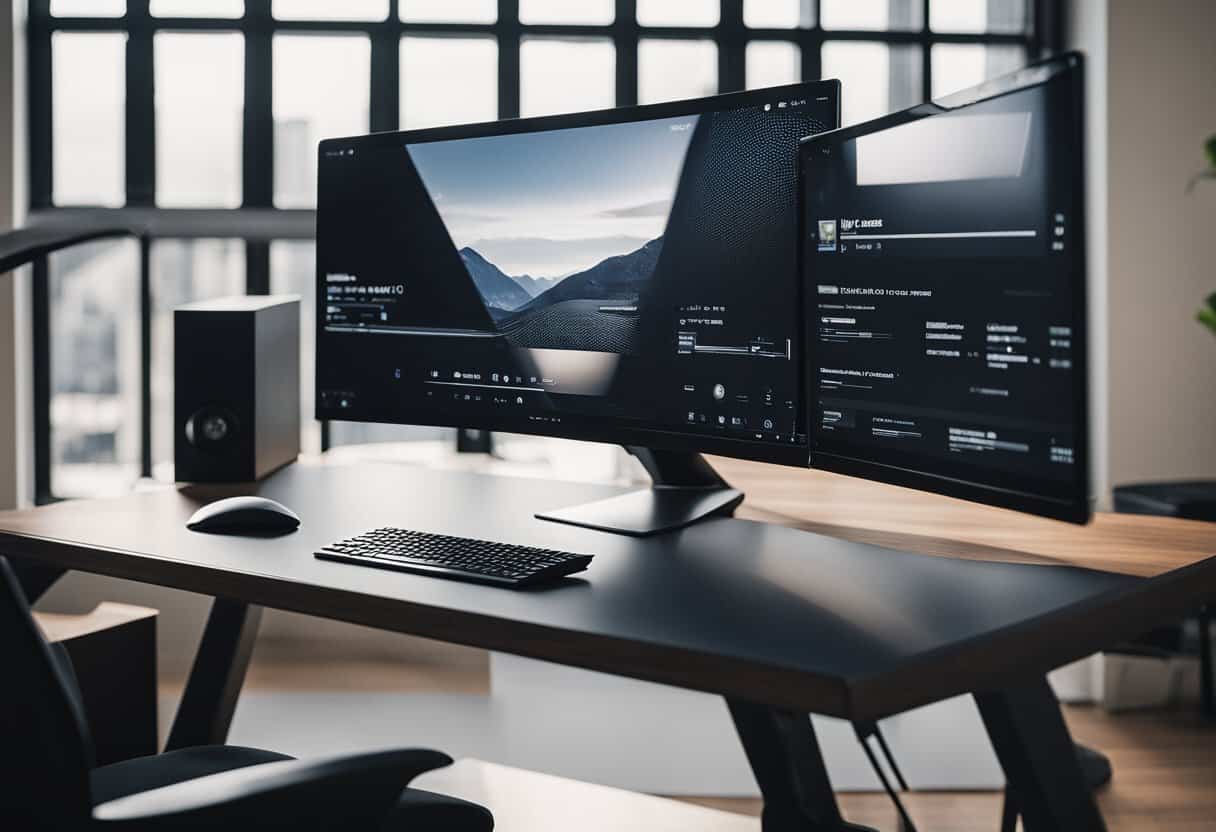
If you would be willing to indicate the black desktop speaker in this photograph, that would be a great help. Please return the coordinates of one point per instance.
(236, 399)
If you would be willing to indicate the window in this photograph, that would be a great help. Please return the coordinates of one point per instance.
(771, 63)
(672, 69)
(564, 75)
(469, 67)
(87, 122)
(321, 89)
(197, 8)
(95, 368)
(678, 12)
(204, 115)
(198, 82)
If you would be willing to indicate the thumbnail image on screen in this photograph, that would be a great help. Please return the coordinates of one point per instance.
(945, 292)
(560, 231)
(632, 270)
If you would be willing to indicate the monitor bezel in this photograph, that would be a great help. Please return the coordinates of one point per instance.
(651, 437)
(1075, 509)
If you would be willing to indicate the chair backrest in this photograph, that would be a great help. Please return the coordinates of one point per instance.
(45, 753)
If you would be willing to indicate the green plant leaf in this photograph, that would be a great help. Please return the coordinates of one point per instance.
(1207, 314)
(1207, 317)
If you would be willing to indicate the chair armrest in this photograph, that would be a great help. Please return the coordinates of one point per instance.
(349, 792)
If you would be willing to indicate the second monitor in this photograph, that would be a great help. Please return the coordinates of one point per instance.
(945, 288)
(625, 276)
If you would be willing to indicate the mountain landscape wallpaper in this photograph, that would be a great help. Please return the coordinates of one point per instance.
(560, 231)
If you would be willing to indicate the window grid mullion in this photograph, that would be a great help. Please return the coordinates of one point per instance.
(811, 43)
(731, 36)
(257, 134)
(384, 108)
(625, 40)
(257, 267)
(40, 309)
(40, 106)
(926, 54)
(509, 32)
(140, 117)
(145, 356)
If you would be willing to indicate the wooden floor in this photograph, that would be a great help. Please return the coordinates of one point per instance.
(1164, 762)
(1164, 780)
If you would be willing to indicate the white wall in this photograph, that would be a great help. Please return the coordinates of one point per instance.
(1087, 28)
(1161, 64)
(14, 291)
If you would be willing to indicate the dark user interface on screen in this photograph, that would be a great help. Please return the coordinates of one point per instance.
(639, 274)
(945, 295)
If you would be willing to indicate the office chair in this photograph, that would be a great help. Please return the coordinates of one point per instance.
(48, 780)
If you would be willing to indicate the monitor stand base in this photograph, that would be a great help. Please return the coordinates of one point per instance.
(686, 489)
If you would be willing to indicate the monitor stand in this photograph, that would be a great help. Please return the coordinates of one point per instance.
(685, 489)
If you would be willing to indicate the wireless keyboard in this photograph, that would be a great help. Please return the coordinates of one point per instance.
(460, 558)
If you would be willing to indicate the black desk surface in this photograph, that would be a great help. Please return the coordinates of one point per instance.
(752, 610)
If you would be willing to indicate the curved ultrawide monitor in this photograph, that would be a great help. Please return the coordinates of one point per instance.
(624, 276)
(944, 281)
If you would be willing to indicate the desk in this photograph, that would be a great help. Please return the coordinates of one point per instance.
(780, 620)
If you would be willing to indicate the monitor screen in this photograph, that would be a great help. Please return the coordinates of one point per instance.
(944, 281)
(624, 276)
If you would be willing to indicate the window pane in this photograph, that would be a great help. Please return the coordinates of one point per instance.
(778, 14)
(89, 99)
(449, 11)
(957, 66)
(877, 79)
(329, 10)
(322, 86)
(584, 12)
(772, 63)
(183, 271)
(293, 272)
(1006, 17)
(899, 15)
(448, 81)
(88, 8)
(566, 75)
(678, 12)
(674, 69)
(199, 98)
(197, 8)
(94, 299)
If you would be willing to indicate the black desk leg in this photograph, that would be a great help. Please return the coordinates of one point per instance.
(784, 755)
(1039, 759)
(209, 700)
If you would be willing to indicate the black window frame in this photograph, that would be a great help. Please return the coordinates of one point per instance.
(258, 222)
